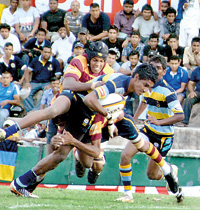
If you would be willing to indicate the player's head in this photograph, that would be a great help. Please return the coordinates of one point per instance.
(144, 78)
(96, 56)
(160, 63)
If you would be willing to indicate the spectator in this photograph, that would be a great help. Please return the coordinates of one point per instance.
(129, 66)
(96, 22)
(188, 15)
(11, 63)
(6, 36)
(61, 48)
(191, 56)
(134, 44)
(74, 17)
(124, 19)
(52, 20)
(27, 21)
(111, 59)
(146, 23)
(162, 13)
(169, 25)
(42, 6)
(177, 77)
(113, 42)
(49, 94)
(9, 96)
(42, 68)
(173, 48)
(153, 46)
(193, 97)
(8, 14)
(33, 47)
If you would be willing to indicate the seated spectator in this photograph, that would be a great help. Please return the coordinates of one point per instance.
(111, 59)
(50, 93)
(61, 48)
(9, 96)
(12, 64)
(162, 13)
(96, 22)
(6, 36)
(129, 66)
(177, 77)
(74, 17)
(193, 97)
(8, 14)
(169, 25)
(52, 20)
(113, 42)
(191, 56)
(146, 24)
(33, 47)
(42, 69)
(27, 21)
(124, 19)
(153, 46)
(173, 48)
(134, 44)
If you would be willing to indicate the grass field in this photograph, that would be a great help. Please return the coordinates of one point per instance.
(59, 199)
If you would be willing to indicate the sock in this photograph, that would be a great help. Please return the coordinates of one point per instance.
(26, 179)
(126, 174)
(12, 129)
(156, 156)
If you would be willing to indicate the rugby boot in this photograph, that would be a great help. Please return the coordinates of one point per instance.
(172, 181)
(80, 170)
(92, 176)
(33, 186)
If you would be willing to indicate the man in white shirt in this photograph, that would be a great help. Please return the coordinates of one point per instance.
(6, 36)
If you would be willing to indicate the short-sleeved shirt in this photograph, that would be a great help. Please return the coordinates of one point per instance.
(102, 24)
(33, 43)
(179, 52)
(8, 93)
(127, 50)
(54, 20)
(127, 65)
(123, 23)
(146, 27)
(188, 57)
(175, 80)
(195, 77)
(43, 73)
(74, 22)
(15, 64)
(167, 28)
(159, 50)
(47, 97)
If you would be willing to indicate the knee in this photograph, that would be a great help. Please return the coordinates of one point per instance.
(152, 175)
(87, 163)
(97, 167)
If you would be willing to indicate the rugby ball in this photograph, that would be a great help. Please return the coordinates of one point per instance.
(114, 103)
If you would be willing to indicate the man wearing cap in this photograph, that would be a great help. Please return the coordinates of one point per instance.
(124, 19)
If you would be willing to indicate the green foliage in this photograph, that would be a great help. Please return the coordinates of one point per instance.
(62, 199)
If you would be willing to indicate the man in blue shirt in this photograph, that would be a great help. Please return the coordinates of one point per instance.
(177, 77)
(9, 96)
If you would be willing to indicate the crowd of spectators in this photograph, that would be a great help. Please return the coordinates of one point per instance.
(38, 43)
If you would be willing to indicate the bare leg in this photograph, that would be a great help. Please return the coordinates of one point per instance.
(153, 171)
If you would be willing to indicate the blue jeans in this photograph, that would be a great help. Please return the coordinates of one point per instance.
(29, 102)
(4, 113)
(188, 104)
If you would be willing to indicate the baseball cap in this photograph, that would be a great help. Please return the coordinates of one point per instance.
(128, 2)
(79, 44)
(83, 30)
(113, 50)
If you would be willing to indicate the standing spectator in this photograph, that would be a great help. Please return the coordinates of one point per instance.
(27, 21)
(188, 15)
(153, 46)
(191, 56)
(111, 59)
(9, 96)
(177, 77)
(62, 48)
(113, 42)
(173, 48)
(96, 22)
(6, 36)
(124, 19)
(8, 14)
(162, 13)
(169, 25)
(42, 68)
(146, 23)
(52, 20)
(74, 17)
(134, 44)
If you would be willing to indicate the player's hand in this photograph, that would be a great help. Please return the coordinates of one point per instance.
(97, 84)
(57, 141)
(192, 95)
(152, 120)
(68, 139)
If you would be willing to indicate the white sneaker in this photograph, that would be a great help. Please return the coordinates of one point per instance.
(125, 198)
(175, 170)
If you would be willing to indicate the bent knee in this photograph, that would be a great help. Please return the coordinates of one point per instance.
(153, 176)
